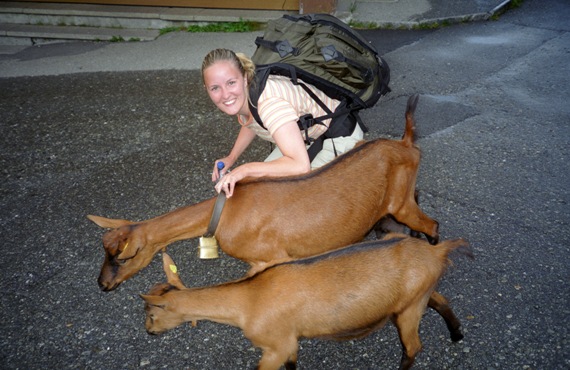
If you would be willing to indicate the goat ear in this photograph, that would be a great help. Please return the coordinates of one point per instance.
(109, 223)
(154, 300)
(128, 252)
(171, 271)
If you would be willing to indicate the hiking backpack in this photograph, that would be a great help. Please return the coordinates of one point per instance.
(323, 51)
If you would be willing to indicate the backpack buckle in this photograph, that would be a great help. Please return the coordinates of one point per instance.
(329, 53)
(284, 48)
(304, 122)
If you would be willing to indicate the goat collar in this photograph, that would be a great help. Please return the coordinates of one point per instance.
(216, 213)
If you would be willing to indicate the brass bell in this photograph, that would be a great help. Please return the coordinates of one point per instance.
(208, 247)
(208, 242)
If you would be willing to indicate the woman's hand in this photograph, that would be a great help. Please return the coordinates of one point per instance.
(294, 161)
(228, 181)
(245, 137)
(216, 174)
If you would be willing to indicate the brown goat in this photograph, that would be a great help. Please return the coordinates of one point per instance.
(278, 219)
(343, 294)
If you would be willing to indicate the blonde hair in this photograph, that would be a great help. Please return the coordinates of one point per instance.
(240, 60)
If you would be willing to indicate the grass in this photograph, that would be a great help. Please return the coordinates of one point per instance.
(424, 25)
(513, 4)
(374, 26)
(362, 25)
(241, 26)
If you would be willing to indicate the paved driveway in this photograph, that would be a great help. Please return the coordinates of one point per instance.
(138, 140)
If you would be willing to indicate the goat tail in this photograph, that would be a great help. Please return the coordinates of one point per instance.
(456, 245)
(410, 131)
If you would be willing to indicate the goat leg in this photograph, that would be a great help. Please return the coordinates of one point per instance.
(277, 351)
(414, 233)
(408, 323)
(406, 362)
(290, 365)
(441, 305)
(411, 215)
(388, 224)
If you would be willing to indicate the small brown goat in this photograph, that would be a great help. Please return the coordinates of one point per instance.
(278, 219)
(343, 294)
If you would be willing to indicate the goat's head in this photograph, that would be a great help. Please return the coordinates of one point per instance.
(126, 252)
(159, 316)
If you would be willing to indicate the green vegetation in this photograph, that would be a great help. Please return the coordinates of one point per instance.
(352, 8)
(166, 30)
(363, 25)
(511, 5)
(428, 26)
(241, 26)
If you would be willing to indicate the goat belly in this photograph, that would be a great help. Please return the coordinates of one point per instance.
(354, 333)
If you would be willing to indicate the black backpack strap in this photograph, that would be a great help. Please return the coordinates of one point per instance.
(343, 119)
(329, 53)
(253, 111)
(281, 47)
(342, 109)
(316, 147)
(255, 89)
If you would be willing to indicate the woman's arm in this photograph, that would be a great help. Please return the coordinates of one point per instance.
(294, 161)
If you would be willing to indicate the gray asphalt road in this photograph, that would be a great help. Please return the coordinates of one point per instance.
(136, 140)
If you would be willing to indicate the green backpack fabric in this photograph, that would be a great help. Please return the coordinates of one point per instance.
(323, 51)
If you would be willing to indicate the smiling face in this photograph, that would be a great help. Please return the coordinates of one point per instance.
(227, 87)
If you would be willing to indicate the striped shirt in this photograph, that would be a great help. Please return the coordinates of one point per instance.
(281, 102)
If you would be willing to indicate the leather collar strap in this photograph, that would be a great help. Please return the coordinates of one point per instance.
(216, 213)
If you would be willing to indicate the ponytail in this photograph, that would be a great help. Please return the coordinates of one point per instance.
(248, 67)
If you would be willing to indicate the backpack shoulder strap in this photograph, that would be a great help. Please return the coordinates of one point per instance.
(255, 89)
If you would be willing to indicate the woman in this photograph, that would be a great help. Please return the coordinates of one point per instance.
(226, 76)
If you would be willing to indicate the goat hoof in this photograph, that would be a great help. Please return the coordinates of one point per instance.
(456, 335)
(433, 240)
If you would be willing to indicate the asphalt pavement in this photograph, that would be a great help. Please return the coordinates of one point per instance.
(125, 130)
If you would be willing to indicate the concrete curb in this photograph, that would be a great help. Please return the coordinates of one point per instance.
(348, 17)
(39, 33)
(34, 23)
